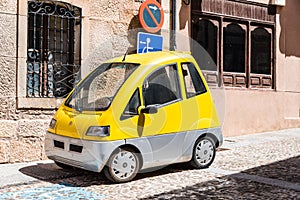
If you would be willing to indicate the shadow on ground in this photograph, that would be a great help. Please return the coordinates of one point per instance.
(50, 172)
(285, 170)
(244, 185)
(279, 180)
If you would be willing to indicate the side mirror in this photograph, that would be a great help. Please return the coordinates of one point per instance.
(149, 109)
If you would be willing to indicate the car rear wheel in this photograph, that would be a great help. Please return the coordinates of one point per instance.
(122, 166)
(204, 153)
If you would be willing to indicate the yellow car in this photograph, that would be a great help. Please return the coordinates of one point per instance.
(136, 112)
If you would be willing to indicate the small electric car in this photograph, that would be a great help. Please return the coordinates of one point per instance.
(136, 112)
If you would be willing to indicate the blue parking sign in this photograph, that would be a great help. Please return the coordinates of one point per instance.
(147, 42)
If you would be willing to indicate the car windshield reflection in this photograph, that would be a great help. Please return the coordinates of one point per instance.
(97, 91)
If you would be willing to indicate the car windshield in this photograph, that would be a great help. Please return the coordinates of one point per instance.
(99, 88)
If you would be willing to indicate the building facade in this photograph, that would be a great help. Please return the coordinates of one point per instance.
(47, 46)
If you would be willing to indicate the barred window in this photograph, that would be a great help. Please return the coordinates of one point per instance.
(53, 48)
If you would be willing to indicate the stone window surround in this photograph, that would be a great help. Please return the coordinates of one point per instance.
(42, 103)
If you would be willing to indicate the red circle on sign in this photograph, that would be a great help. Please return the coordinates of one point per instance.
(144, 6)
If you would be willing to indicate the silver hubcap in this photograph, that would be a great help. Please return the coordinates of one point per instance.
(124, 164)
(204, 152)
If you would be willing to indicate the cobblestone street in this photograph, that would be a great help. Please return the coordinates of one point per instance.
(260, 166)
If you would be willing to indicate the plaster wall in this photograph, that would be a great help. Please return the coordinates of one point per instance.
(246, 111)
(252, 111)
(288, 51)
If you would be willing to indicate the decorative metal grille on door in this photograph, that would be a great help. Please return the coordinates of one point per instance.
(53, 56)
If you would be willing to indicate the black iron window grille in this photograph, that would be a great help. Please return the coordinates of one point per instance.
(53, 48)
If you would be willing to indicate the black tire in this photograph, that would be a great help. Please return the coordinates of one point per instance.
(64, 166)
(204, 153)
(125, 160)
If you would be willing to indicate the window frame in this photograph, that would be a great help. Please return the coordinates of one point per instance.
(55, 38)
(213, 78)
(243, 27)
(263, 80)
(215, 23)
(268, 31)
(22, 101)
(234, 79)
(245, 80)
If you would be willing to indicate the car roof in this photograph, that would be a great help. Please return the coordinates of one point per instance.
(148, 58)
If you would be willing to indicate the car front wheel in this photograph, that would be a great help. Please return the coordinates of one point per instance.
(122, 166)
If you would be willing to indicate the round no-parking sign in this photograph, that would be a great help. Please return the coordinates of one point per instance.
(151, 16)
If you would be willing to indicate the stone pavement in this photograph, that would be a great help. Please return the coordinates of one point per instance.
(258, 166)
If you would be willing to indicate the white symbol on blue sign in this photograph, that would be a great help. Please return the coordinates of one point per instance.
(149, 43)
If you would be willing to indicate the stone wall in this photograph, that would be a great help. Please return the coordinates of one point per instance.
(8, 126)
(109, 23)
(105, 25)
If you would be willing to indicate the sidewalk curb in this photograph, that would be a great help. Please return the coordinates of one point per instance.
(10, 173)
(258, 138)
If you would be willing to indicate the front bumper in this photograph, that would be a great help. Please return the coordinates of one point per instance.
(84, 154)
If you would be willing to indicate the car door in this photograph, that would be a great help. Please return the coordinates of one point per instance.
(161, 91)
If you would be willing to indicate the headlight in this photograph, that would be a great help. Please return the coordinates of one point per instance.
(101, 131)
(52, 123)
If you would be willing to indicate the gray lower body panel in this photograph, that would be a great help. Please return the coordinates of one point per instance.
(89, 155)
(171, 148)
(155, 151)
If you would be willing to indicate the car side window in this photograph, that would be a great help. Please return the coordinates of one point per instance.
(133, 104)
(162, 86)
(192, 80)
